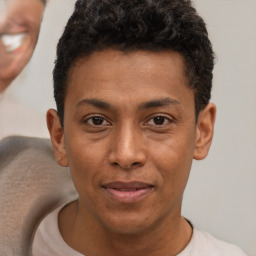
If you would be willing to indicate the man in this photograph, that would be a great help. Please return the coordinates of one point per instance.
(132, 84)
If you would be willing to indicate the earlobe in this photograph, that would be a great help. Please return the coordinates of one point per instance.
(57, 137)
(204, 132)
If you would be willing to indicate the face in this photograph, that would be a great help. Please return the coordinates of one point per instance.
(19, 28)
(129, 137)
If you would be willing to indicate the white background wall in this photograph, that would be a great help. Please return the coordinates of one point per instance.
(221, 194)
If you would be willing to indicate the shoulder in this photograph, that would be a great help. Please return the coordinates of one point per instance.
(47, 235)
(48, 239)
(203, 243)
(31, 185)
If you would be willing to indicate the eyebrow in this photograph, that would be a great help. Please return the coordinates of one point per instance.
(158, 103)
(95, 102)
(148, 104)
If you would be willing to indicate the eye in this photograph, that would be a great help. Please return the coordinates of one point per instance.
(97, 121)
(159, 120)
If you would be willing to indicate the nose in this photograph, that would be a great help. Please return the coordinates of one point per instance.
(127, 148)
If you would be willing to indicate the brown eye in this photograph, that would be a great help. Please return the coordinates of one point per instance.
(158, 120)
(97, 121)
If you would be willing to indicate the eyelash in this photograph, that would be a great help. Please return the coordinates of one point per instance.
(96, 117)
(162, 118)
(107, 123)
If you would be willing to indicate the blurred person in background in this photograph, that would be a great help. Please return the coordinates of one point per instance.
(20, 22)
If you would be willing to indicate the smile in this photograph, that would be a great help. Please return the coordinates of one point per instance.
(131, 192)
(13, 42)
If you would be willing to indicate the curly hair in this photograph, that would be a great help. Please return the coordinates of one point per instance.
(130, 25)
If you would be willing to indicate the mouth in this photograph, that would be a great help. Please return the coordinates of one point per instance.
(128, 192)
(13, 42)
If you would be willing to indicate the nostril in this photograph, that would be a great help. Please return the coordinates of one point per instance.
(136, 164)
(126, 157)
(115, 164)
(127, 166)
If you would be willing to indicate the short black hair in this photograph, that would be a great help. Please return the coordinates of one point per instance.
(130, 25)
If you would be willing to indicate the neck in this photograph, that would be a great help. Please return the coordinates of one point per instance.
(163, 240)
(167, 237)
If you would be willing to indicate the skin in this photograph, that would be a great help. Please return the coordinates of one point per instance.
(129, 117)
(21, 16)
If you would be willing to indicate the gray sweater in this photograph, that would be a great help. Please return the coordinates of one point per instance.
(31, 185)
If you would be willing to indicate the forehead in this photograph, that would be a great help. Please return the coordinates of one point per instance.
(128, 83)
(127, 70)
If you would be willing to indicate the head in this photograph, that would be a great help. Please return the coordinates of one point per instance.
(132, 83)
(20, 22)
(137, 25)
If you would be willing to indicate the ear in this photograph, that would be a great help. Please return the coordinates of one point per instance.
(57, 137)
(204, 131)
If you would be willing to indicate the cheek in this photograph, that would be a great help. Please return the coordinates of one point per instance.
(35, 28)
(32, 17)
(173, 160)
(85, 162)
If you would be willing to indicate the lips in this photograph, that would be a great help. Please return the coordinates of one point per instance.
(128, 192)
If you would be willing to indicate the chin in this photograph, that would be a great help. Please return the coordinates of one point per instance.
(128, 223)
